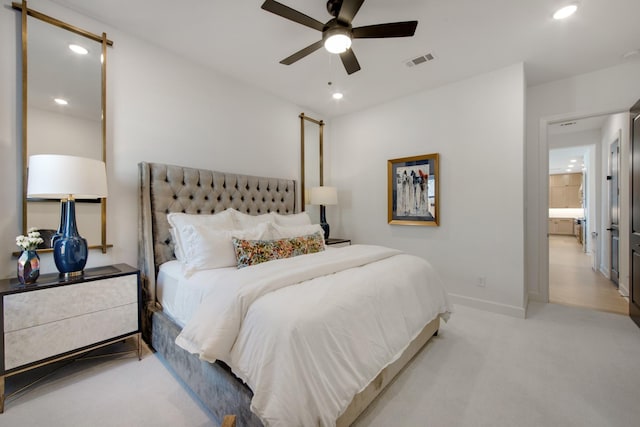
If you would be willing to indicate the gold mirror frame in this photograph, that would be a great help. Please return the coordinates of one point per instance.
(320, 123)
(25, 11)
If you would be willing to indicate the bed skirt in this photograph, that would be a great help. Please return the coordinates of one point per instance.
(218, 389)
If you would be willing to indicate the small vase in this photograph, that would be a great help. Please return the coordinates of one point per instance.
(28, 267)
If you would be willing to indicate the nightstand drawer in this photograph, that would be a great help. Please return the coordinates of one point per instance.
(57, 318)
(337, 243)
(29, 309)
(28, 345)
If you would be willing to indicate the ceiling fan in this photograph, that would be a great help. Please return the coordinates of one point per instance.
(338, 32)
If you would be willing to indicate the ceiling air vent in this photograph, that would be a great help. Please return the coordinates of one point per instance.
(567, 124)
(419, 60)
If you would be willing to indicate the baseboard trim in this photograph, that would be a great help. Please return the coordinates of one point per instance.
(492, 306)
(623, 289)
(534, 296)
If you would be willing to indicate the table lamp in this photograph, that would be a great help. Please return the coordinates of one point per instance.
(323, 196)
(67, 178)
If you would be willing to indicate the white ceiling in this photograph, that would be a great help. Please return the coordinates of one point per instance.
(468, 37)
(561, 158)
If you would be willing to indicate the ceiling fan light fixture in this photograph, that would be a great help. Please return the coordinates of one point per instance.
(337, 40)
(338, 32)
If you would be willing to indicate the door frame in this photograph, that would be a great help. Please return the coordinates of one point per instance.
(614, 231)
(543, 185)
(634, 311)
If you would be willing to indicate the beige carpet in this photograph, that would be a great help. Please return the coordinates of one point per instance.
(106, 391)
(563, 366)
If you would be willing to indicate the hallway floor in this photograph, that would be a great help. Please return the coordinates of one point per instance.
(572, 281)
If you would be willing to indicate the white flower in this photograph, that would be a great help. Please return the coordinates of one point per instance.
(30, 241)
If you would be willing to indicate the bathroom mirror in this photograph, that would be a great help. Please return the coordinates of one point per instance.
(311, 161)
(63, 112)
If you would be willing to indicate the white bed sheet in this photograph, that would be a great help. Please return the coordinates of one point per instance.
(180, 296)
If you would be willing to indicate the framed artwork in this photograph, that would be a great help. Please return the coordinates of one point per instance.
(413, 190)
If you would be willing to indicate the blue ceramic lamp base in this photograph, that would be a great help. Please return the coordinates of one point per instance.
(70, 250)
(323, 222)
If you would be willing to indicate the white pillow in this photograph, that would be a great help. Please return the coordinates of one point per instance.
(281, 232)
(301, 218)
(178, 221)
(244, 221)
(206, 248)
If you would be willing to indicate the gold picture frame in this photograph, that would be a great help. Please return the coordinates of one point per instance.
(413, 190)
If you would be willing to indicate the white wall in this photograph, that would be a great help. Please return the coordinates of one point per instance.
(592, 161)
(606, 91)
(616, 127)
(161, 108)
(10, 156)
(477, 127)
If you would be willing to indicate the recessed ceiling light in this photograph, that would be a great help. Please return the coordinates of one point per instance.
(78, 49)
(565, 11)
(337, 95)
(573, 160)
(569, 170)
(570, 166)
(60, 101)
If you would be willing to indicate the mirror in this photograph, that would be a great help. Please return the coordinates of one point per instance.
(63, 105)
(311, 158)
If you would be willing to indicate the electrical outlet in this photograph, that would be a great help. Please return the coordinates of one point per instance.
(481, 281)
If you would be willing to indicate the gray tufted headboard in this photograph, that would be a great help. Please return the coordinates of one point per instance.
(168, 188)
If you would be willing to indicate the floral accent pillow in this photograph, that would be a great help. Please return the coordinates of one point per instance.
(252, 252)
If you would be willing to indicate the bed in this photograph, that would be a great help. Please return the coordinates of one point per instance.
(179, 307)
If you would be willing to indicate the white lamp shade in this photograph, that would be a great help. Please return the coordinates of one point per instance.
(53, 176)
(323, 196)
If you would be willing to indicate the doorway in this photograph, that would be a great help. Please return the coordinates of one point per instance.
(579, 251)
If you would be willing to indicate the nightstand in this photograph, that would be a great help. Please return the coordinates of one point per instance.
(54, 319)
(337, 243)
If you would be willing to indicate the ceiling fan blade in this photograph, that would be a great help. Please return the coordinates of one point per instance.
(350, 61)
(302, 53)
(292, 14)
(392, 29)
(348, 10)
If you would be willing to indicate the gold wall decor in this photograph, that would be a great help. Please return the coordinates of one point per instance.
(50, 71)
(413, 194)
(311, 156)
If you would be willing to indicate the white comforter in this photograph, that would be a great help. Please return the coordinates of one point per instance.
(308, 333)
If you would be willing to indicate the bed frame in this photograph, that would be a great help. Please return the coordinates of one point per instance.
(167, 188)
